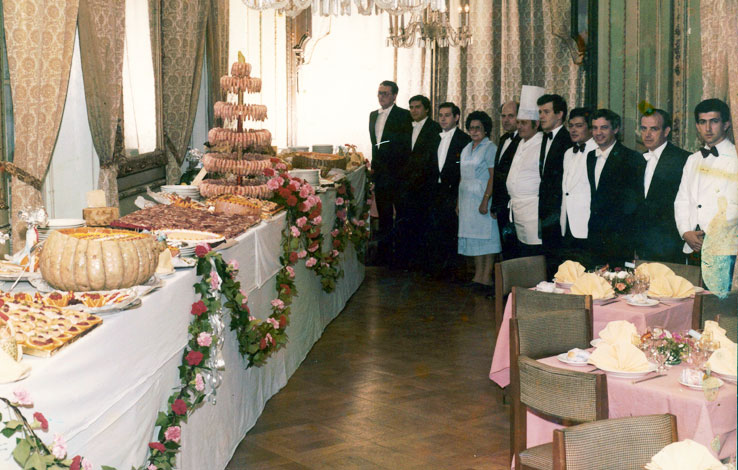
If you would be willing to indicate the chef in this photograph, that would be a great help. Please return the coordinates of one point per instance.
(524, 179)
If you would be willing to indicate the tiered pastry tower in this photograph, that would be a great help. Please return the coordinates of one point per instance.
(238, 156)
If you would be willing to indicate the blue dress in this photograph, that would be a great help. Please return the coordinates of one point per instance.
(478, 233)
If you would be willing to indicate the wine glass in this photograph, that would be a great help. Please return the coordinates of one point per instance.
(659, 354)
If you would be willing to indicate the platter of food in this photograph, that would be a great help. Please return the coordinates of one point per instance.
(90, 302)
(191, 237)
(12, 272)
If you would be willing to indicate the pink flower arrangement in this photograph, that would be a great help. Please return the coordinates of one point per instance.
(59, 447)
(278, 303)
(199, 383)
(301, 221)
(290, 271)
(301, 254)
(273, 322)
(317, 220)
(295, 231)
(281, 166)
(21, 397)
(204, 339)
(173, 433)
(305, 191)
(339, 201)
(311, 262)
(272, 184)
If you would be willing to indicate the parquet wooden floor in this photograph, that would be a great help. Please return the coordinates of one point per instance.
(398, 381)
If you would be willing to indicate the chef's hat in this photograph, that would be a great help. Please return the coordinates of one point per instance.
(528, 102)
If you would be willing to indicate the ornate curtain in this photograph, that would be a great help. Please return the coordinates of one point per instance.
(40, 41)
(216, 45)
(182, 48)
(101, 41)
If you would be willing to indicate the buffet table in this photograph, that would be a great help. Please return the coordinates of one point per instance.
(103, 393)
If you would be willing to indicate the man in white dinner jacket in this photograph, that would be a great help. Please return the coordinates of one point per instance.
(707, 201)
(575, 188)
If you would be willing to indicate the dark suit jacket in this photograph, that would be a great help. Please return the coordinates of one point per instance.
(500, 196)
(549, 193)
(390, 159)
(659, 239)
(612, 230)
(419, 169)
(447, 191)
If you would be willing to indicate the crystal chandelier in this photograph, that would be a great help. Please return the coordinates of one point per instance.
(343, 7)
(430, 29)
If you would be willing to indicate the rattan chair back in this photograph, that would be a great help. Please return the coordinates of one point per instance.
(613, 444)
(522, 272)
(691, 273)
(724, 311)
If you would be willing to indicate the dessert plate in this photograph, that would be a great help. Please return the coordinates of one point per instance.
(562, 357)
(698, 386)
(620, 374)
(647, 303)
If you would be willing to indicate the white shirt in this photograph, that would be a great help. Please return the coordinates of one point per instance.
(446, 137)
(601, 160)
(381, 120)
(548, 143)
(417, 126)
(652, 159)
(523, 183)
(507, 143)
(708, 197)
(576, 192)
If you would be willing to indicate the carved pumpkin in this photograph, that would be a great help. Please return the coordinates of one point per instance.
(84, 259)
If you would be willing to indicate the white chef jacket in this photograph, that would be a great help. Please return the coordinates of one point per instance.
(576, 193)
(523, 182)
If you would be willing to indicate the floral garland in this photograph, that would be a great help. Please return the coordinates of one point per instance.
(257, 340)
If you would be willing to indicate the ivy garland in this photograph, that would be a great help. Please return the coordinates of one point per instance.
(257, 340)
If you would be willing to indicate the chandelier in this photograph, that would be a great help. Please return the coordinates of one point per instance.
(430, 29)
(343, 7)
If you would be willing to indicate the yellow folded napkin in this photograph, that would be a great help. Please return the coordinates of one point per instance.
(618, 331)
(569, 271)
(653, 270)
(725, 360)
(718, 334)
(672, 286)
(684, 455)
(10, 370)
(594, 285)
(621, 357)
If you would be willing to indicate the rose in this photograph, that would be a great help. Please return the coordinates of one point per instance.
(268, 337)
(282, 321)
(262, 343)
(305, 191)
(341, 189)
(280, 179)
(76, 461)
(214, 280)
(620, 286)
(157, 446)
(315, 213)
(199, 383)
(59, 447)
(202, 249)
(41, 421)
(272, 184)
(284, 192)
(234, 264)
(278, 303)
(21, 397)
(198, 308)
(173, 433)
(317, 220)
(290, 271)
(341, 214)
(334, 233)
(303, 207)
(86, 464)
(313, 247)
(334, 253)
(268, 172)
(274, 160)
(286, 289)
(293, 186)
(311, 262)
(273, 322)
(179, 407)
(295, 231)
(204, 339)
(292, 201)
(622, 274)
(339, 201)
(293, 256)
(301, 254)
(194, 358)
(301, 221)
(336, 243)
(281, 166)
(152, 467)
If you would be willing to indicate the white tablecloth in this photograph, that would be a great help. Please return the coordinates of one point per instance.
(104, 392)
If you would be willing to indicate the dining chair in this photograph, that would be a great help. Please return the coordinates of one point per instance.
(724, 311)
(691, 273)
(542, 324)
(564, 396)
(522, 272)
(613, 444)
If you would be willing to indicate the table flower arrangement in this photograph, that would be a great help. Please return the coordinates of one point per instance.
(673, 345)
(622, 281)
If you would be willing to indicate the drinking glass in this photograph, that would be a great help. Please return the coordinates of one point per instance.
(659, 354)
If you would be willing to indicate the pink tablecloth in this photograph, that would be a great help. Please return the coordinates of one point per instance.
(674, 317)
(697, 419)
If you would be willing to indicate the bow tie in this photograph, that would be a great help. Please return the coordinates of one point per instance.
(416, 124)
(579, 147)
(649, 155)
(382, 111)
(446, 134)
(706, 153)
(548, 135)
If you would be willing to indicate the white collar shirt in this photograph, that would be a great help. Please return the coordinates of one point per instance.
(652, 159)
(507, 143)
(446, 137)
(601, 160)
(382, 115)
(417, 126)
(549, 142)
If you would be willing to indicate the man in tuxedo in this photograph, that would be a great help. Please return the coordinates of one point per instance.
(419, 181)
(576, 193)
(556, 141)
(445, 170)
(658, 237)
(503, 160)
(616, 181)
(390, 131)
(707, 200)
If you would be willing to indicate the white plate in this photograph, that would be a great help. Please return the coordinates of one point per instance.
(648, 303)
(562, 357)
(595, 342)
(628, 375)
(699, 387)
(179, 262)
(563, 285)
(64, 223)
(669, 300)
(727, 377)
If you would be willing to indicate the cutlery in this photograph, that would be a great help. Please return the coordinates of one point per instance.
(608, 302)
(648, 378)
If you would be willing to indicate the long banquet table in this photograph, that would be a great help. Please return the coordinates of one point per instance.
(675, 317)
(103, 393)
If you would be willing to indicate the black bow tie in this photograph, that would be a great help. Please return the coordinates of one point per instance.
(706, 153)
(579, 148)
(548, 135)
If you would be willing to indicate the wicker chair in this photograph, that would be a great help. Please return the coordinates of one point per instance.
(724, 311)
(523, 272)
(691, 273)
(542, 325)
(613, 444)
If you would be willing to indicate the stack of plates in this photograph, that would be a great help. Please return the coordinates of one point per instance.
(311, 176)
(181, 190)
(187, 251)
(56, 224)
